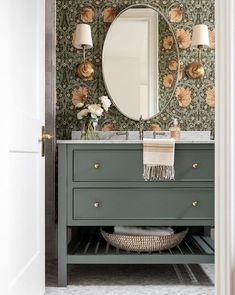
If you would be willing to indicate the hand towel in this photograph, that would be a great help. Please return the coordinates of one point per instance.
(158, 159)
(144, 230)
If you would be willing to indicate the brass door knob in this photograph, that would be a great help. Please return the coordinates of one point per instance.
(44, 136)
(96, 165)
(195, 203)
(47, 136)
(195, 165)
(96, 205)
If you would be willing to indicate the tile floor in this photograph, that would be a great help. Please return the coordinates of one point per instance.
(134, 280)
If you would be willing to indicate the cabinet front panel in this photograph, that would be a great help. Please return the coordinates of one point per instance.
(111, 165)
(127, 165)
(141, 203)
(194, 165)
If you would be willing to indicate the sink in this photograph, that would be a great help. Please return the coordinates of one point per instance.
(188, 136)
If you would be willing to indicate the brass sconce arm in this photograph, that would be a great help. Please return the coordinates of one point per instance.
(196, 70)
(85, 69)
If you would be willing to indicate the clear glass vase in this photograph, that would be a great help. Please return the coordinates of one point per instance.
(89, 129)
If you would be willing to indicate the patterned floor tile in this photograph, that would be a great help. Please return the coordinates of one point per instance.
(133, 280)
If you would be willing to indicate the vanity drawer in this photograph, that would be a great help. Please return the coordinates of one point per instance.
(141, 203)
(107, 165)
(127, 165)
(194, 165)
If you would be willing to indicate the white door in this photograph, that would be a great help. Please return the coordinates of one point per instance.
(25, 164)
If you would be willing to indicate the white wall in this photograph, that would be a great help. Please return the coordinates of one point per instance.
(6, 95)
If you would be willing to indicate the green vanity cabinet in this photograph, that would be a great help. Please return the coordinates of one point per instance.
(125, 163)
(139, 203)
(102, 185)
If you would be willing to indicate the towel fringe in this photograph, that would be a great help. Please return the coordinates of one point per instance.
(153, 172)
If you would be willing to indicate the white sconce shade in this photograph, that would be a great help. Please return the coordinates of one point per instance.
(82, 37)
(200, 36)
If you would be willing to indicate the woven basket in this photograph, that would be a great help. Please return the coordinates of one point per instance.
(144, 243)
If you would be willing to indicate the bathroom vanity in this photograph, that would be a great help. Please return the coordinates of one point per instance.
(101, 184)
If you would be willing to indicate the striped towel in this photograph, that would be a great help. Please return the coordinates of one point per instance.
(158, 157)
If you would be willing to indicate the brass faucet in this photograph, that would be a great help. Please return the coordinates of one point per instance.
(141, 128)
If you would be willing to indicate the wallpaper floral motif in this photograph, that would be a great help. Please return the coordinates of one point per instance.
(167, 56)
(193, 102)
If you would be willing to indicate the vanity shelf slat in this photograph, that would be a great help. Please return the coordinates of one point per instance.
(202, 244)
(210, 242)
(191, 251)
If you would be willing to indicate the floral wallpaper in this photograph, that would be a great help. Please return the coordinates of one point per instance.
(193, 102)
(167, 65)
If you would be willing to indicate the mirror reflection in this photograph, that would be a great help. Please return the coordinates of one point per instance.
(132, 62)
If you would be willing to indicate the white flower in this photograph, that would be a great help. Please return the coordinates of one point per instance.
(82, 114)
(94, 116)
(95, 110)
(106, 103)
(79, 105)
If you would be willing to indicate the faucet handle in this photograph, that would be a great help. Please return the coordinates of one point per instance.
(123, 133)
(155, 133)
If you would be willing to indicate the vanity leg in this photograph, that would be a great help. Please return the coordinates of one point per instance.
(62, 273)
(62, 217)
(62, 255)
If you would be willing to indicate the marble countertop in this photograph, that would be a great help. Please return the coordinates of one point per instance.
(123, 141)
(117, 137)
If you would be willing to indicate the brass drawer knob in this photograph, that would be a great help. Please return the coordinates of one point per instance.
(96, 165)
(195, 203)
(195, 165)
(96, 205)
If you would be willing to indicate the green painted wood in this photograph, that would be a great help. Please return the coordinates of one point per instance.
(203, 245)
(145, 184)
(131, 146)
(209, 241)
(142, 222)
(127, 165)
(140, 259)
(126, 199)
(93, 249)
(115, 165)
(139, 203)
(184, 159)
(62, 216)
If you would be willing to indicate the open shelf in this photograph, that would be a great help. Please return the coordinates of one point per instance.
(93, 249)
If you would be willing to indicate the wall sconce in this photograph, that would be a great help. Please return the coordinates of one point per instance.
(200, 40)
(83, 40)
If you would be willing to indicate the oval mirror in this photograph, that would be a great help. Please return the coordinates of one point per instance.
(140, 62)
